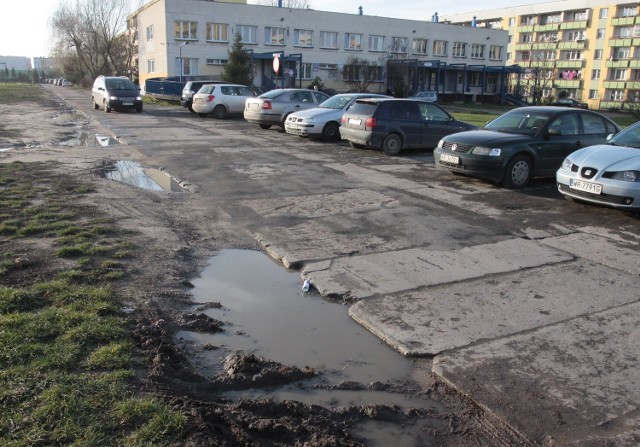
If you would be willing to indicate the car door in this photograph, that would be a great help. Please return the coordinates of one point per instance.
(594, 129)
(563, 137)
(405, 118)
(231, 98)
(437, 123)
(305, 100)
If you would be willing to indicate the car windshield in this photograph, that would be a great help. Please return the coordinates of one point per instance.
(336, 102)
(628, 137)
(272, 94)
(524, 122)
(120, 84)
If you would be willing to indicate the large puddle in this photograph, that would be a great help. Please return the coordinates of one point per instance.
(266, 313)
(135, 174)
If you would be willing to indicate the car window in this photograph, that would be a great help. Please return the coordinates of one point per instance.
(628, 137)
(593, 125)
(226, 90)
(404, 110)
(320, 97)
(245, 91)
(207, 89)
(566, 124)
(526, 122)
(363, 108)
(432, 112)
(305, 97)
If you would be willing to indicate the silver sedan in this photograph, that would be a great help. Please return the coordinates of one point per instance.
(605, 174)
(273, 107)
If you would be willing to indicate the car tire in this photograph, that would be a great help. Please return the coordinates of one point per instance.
(331, 132)
(392, 144)
(518, 173)
(220, 112)
(106, 107)
(96, 106)
(191, 109)
(139, 109)
(265, 126)
(356, 145)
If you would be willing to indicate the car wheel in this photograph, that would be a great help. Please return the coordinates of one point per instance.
(95, 104)
(331, 132)
(356, 145)
(518, 173)
(191, 109)
(265, 126)
(139, 109)
(220, 112)
(392, 144)
(106, 107)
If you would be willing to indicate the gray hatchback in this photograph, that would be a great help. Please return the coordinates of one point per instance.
(396, 124)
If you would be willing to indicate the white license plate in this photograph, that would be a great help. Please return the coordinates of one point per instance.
(291, 126)
(355, 121)
(449, 159)
(126, 103)
(593, 188)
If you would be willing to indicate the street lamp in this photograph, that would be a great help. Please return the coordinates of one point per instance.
(186, 42)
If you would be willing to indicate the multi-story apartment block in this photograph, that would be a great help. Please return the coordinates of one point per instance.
(585, 49)
(187, 38)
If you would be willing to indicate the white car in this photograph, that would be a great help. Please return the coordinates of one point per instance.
(323, 121)
(221, 99)
(605, 174)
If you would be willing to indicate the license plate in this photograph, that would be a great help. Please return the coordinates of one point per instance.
(198, 100)
(291, 126)
(355, 121)
(449, 159)
(593, 188)
(126, 103)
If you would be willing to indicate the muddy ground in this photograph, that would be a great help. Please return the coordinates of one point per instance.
(174, 244)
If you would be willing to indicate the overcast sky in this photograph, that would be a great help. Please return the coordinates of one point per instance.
(25, 29)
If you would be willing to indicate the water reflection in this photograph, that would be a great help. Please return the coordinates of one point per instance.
(133, 173)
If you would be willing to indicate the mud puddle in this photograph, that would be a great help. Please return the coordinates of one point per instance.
(86, 139)
(265, 312)
(135, 174)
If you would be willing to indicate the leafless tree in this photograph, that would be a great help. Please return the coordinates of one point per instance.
(290, 4)
(93, 32)
(357, 72)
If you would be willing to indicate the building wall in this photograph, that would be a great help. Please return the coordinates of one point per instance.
(18, 63)
(164, 48)
(608, 39)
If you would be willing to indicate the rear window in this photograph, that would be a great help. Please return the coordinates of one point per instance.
(363, 108)
(207, 89)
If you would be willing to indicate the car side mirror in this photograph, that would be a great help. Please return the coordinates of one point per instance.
(553, 132)
(610, 136)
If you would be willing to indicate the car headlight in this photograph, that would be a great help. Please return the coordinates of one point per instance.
(566, 164)
(490, 151)
(440, 144)
(627, 176)
(113, 98)
(138, 98)
(311, 121)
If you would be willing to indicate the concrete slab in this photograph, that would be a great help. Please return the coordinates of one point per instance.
(430, 321)
(402, 270)
(568, 384)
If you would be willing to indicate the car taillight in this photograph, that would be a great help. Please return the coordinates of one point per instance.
(343, 120)
(210, 98)
(370, 123)
(266, 105)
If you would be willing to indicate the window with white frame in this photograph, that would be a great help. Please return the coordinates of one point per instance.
(629, 11)
(616, 95)
(217, 32)
(547, 55)
(304, 70)
(216, 61)
(459, 49)
(495, 52)
(512, 21)
(578, 15)
(477, 51)
(329, 40)
(604, 13)
(419, 46)
(600, 33)
(621, 53)
(593, 94)
(274, 35)
(475, 79)
(439, 48)
(189, 66)
(150, 32)
(619, 74)
(574, 55)
(399, 44)
(303, 38)
(595, 73)
(185, 30)
(352, 41)
(597, 54)
(249, 33)
(351, 72)
(526, 38)
(527, 20)
(376, 43)
(551, 18)
(574, 36)
(151, 66)
(625, 31)
(636, 31)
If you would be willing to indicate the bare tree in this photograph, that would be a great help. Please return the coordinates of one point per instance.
(290, 4)
(92, 30)
(357, 72)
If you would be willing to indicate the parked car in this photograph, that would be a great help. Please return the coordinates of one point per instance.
(605, 174)
(190, 89)
(570, 102)
(66, 83)
(115, 92)
(395, 124)
(426, 95)
(221, 99)
(523, 143)
(273, 107)
(323, 121)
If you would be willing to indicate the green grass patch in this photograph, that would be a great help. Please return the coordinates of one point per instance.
(15, 92)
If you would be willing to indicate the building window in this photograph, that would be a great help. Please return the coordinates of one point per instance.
(621, 53)
(303, 38)
(574, 55)
(216, 61)
(604, 13)
(579, 15)
(626, 31)
(527, 20)
(189, 66)
(399, 44)
(526, 38)
(617, 95)
(459, 49)
(629, 11)
(512, 21)
(419, 46)
(329, 40)
(352, 41)
(304, 71)
(593, 94)
(600, 33)
(619, 74)
(248, 33)
(495, 52)
(151, 66)
(636, 31)
(439, 47)
(595, 73)
(376, 43)
(185, 30)
(217, 32)
(477, 51)
(597, 54)
(574, 36)
(509, 56)
(149, 32)
(274, 35)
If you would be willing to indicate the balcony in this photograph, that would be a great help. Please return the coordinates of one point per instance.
(580, 44)
(618, 63)
(615, 85)
(579, 24)
(570, 63)
(620, 42)
(616, 21)
(525, 28)
(567, 83)
(532, 46)
(547, 27)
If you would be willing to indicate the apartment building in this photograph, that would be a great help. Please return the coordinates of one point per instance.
(584, 49)
(192, 38)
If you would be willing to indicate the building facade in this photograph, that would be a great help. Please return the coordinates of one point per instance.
(189, 38)
(585, 49)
